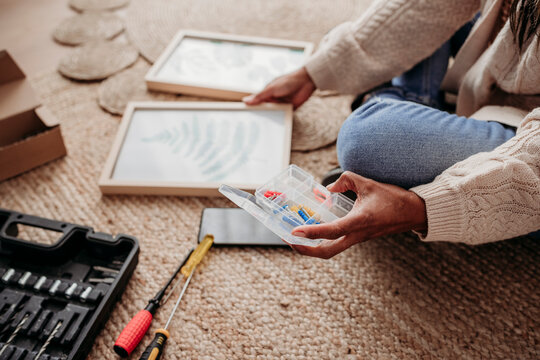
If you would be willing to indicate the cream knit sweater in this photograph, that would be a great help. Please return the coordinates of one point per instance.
(489, 196)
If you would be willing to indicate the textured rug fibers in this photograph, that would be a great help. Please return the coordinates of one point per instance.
(390, 298)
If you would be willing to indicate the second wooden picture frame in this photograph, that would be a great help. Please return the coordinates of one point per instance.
(223, 66)
(191, 148)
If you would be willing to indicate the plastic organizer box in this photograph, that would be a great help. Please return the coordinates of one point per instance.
(291, 199)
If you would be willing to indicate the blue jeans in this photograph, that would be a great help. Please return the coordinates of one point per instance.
(401, 136)
(397, 141)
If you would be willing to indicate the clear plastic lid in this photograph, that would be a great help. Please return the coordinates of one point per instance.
(291, 199)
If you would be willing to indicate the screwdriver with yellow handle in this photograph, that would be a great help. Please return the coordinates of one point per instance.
(155, 349)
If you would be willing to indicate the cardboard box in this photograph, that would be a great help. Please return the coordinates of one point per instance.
(29, 135)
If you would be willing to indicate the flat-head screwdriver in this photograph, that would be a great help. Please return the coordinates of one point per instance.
(155, 349)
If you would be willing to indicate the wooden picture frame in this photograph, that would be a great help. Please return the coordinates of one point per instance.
(162, 151)
(245, 64)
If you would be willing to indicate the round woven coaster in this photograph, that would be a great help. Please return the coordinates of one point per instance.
(317, 122)
(88, 26)
(151, 24)
(128, 85)
(83, 5)
(97, 60)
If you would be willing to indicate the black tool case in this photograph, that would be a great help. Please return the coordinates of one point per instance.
(55, 299)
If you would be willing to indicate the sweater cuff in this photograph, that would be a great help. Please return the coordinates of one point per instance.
(319, 71)
(445, 213)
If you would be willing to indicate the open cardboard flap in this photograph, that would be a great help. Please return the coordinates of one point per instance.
(29, 133)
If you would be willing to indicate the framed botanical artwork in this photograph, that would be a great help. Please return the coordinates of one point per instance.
(191, 148)
(223, 66)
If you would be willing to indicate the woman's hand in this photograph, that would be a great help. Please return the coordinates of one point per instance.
(380, 209)
(294, 88)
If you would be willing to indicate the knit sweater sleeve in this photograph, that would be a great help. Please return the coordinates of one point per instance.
(489, 196)
(390, 38)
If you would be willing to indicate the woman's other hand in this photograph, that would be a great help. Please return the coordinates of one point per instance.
(294, 88)
(380, 209)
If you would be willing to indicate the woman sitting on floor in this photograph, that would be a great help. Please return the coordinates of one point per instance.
(473, 176)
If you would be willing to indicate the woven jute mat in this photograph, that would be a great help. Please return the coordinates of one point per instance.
(315, 124)
(389, 298)
(151, 24)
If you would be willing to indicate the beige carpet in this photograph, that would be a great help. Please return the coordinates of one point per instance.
(151, 24)
(392, 297)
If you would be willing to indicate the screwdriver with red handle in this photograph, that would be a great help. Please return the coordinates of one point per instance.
(137, 327)
(155, 349)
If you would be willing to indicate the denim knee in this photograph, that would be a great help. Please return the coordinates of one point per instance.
(360, 138)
